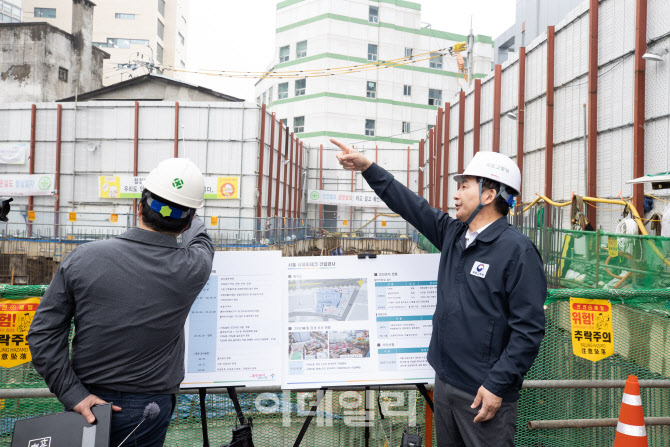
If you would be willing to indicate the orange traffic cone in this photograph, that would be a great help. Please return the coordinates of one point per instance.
(630, 430)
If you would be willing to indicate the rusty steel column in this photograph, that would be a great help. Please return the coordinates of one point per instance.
(300, 194)
(445, 159)
(592, 132)
(549, 141)
(376, 161)
(638, 111)
(277, 180)
(287, 160)
(290, 178)
(351, 208)
(321, 184)
(408, 166)
(461, 130)
(421, 166)
(521, 110)
(59, 140)
(438, 159)
(272, 149)
(497, 98)
(295, 178)
(431, 167)
(476, 139)
(176, 130)
(31, 162)
(261, 161)
(136, 149)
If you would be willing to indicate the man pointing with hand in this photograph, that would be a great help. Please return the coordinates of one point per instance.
(489, 319)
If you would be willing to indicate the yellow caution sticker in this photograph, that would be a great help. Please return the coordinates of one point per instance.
(591, 328)
(15, 319)
(345, 223)
(612, 247)
(31, 215)
(383, 223)
(214, 220)
(114, 218)
(72, 217)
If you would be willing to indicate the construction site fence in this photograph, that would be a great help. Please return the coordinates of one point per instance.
(559, 386)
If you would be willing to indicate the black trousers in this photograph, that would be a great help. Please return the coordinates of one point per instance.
(453, 420)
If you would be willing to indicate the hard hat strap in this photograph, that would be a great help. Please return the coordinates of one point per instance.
(480, 206)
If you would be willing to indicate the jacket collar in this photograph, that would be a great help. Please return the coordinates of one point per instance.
(494, 230)
(149, 238)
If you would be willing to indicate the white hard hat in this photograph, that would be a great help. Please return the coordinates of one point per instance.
(177, 180)
(494, 166)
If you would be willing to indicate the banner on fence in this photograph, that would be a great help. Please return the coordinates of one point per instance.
(130, 187)
(359, 199)
(13, 153)
(21, 185)
(591, 327)
(15, 319)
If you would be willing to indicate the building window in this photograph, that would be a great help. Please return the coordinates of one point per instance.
(161, 29)
(301, 49)
(159, 53)
(270, 97)
(372, 52)
(299, 124)
(49, 13)
(282, 90)
(373, 17)
(181, 38)
(161, 7)
(369, 128)
(264, 95)
(300, 85)
(407, 90)
(430, 126)
(436, 60)
(371, 90)
(284, 122)
(405, 127)
(408, 52)
(120, 15)
(113, 42)
(284, 54)
(62, 74)
(434, 97)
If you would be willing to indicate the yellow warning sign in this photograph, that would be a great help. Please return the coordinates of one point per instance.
(31, 215)
(227, 188)
(612, 247)
(591, 328)
(214, 221)
(383, 223)
(114, 218)
(15, 319)
(345, 223)
(110, 187)
(72, 217)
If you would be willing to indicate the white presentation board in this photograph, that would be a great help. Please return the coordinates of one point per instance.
(234, 327)
(351, 321)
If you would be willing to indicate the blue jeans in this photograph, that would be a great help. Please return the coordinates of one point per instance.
(152, 431)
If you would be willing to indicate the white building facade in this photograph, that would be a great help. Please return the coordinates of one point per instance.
(138, 34)
(10, 11)
(390, 104)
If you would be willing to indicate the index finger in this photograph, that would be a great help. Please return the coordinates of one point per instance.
(346, 149)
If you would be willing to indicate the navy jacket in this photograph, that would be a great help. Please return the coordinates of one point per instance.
(489, 319)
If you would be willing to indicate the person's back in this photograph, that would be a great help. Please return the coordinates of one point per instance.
(129, 298)
(134, 294)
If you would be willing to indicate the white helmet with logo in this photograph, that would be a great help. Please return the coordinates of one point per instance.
(494, 166)
(177, 180)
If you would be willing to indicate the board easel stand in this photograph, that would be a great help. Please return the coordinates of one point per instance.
(321, 392)
(232, 393)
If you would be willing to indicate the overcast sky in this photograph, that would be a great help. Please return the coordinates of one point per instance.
(239, 35)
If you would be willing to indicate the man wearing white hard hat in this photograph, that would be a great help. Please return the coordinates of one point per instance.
(489, 319)
(129, 297)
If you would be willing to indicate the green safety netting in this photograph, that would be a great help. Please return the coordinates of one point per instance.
(576, 267)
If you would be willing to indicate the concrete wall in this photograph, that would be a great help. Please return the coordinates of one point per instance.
(157, 91)
(142, 27)
(30, 56)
